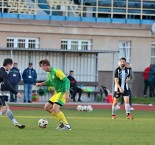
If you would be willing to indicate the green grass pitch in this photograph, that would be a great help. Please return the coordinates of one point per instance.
(88, 128)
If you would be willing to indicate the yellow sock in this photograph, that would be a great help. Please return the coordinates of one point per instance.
(62, 117)
(55, 115)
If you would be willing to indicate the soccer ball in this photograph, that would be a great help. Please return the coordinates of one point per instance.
(89, 108)
(79, 108)
(84, 108)
(42, 123)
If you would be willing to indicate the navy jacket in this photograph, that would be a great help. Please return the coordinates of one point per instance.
(29, 76)
(14, 76)
(5, 81)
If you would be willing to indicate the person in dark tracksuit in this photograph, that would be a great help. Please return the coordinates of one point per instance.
(151, 80)
(29, 77)
(147, 75)
(73, 87)
(5, 85)
(14, 79)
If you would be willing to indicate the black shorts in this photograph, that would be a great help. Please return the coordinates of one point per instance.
(54, 103)
(2, 101)
(118, 94)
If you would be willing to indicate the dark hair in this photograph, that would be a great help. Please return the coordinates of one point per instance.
(7, 61)
(44, 61)
(123, 58)
(30, 63)
(71, 71)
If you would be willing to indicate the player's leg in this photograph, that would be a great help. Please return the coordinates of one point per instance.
(115, 101)
(146, 85)
(25, 93)
(3, 110)
(59, 100)
(127, 107)
(48, 107)
(13, 119)
(61, 116)
(79, 90)
(74, 94)
(3, 107)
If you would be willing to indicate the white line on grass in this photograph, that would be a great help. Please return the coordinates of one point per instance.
(82, 118)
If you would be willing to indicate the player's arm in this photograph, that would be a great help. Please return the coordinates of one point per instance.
(118, 85)
(41, 84)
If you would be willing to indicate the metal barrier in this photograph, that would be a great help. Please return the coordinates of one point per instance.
(127, 9)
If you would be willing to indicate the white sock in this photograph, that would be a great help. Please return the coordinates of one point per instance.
(113, 110)
(14, 121)
(1, 113)
(127, 108)
(10, 116)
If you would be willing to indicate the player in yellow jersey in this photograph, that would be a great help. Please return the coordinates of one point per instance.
(61, 84)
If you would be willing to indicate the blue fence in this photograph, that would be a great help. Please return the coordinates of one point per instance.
(106, 11)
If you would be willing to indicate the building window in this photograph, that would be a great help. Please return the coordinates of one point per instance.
(125, 50)
(10, 43)
(28, 43)
(76, 44)
(153, 53)
(64, 44)
(21, 43)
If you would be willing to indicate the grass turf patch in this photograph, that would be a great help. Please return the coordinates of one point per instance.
(141, 100)
(88, 128)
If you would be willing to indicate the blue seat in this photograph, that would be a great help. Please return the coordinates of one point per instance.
(104, 10)
(100, 2)
(119, 10)
(147, 4)
(134, 11)
(153, 6)
(119, 4)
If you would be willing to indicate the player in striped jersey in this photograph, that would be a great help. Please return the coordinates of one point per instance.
(122, 76)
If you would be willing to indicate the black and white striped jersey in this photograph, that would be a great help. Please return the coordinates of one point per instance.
(122, 75)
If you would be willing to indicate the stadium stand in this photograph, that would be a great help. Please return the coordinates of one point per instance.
(119, 11)
(67, 4)
(43, 5)
(19, 6)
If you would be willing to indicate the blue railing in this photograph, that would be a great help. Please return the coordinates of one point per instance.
(112, 11)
